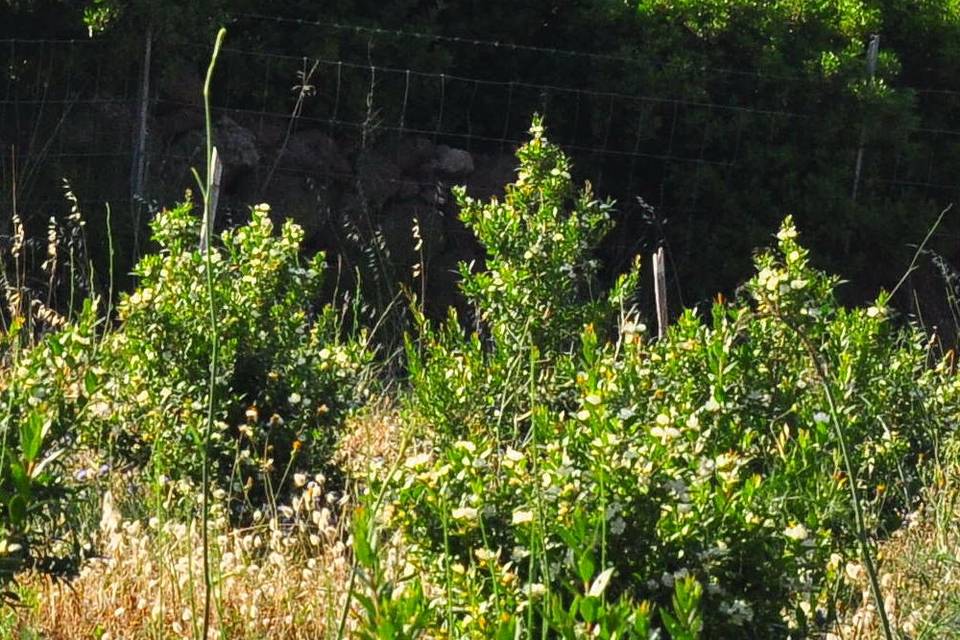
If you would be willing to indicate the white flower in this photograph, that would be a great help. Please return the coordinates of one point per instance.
(521, 516)
(535, 589)
(486, 555)
(417, 461)
(519, 553)
(796, 532)
(712, 405)
(466, 445)
(787, 233)
(665, 435)
(618, 526)
(299, 479)
(513, 455)
(854, 571)
(294, 398)
(821, 418)
(465, 513)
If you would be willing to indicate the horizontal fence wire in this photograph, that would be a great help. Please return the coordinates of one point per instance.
(499, 45)
(61, 109)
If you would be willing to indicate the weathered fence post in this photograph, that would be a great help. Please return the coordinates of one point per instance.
(660, 292)
(873, 49)
(138, 170)
(213, 196)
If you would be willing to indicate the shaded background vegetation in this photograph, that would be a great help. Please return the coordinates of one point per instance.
(722, 116)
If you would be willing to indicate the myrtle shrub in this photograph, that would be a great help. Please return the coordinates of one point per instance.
(572, 469)
(537, 289)
(286, 374)
(45, 390)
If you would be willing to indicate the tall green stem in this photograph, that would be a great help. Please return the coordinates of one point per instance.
(214, 339)
(866, 554)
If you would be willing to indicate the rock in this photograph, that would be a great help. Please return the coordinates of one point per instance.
(294, 197)
(269, 134)
(409, 189)
(106, 127)
(178, 122)
(313, 151)
(237, 147)
(180, 84)
(452, 162)
(380, 179)
(435, 195)
(443, 284)
(410, 154)
(492, 174)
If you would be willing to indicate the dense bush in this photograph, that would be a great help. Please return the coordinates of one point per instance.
(286, 372)
(45, 389)
(565, 473)
(556, 456)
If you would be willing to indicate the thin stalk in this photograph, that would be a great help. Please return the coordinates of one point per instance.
(866, 554)
(535, 417)
(493, 575)
(448, 577)
(110, 265)
(341, 627)
(214, 342)
(916, 255)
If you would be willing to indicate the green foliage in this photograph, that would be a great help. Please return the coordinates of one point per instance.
(535, 287)
(392, 609)
(535, 293)
(287, 371)
(572, 476)
(45, 389)
(700, 473)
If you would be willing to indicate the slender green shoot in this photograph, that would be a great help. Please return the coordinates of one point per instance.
(214, 340)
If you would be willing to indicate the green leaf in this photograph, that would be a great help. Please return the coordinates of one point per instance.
(18, 510)
(31, 436)
(20, 478)
(586, 567)
(387, 630)
(90, 382)
(361, 540)
(589, 608)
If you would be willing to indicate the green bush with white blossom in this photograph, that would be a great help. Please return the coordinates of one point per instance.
(286, 370)
(564, 473)
(575, 473)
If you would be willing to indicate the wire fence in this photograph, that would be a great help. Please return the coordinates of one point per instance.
(68, 109)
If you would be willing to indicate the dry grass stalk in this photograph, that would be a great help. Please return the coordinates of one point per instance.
(284, 577)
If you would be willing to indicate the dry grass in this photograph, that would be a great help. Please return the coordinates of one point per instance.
(284, 577)
(372, 441)
(920, 573)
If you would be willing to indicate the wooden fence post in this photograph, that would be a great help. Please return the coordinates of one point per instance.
(138, 170)
(660, 292)
(213, 195)
(873, 49)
